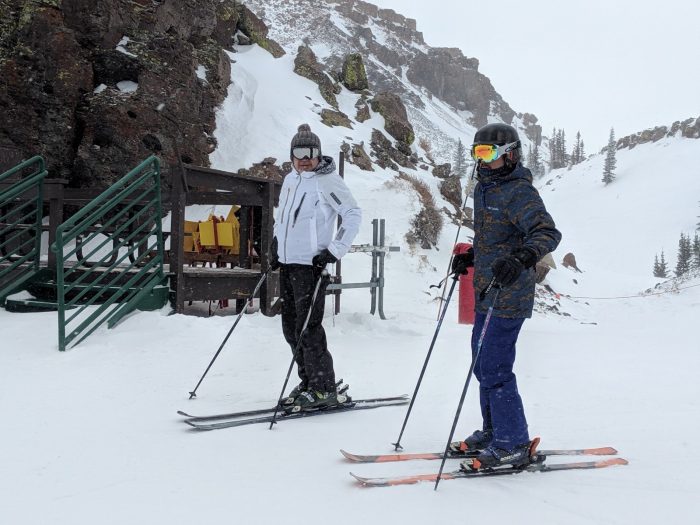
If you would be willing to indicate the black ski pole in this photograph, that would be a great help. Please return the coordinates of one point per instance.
(324, 273)
(397, 445)
(250, 301)
(469, 377)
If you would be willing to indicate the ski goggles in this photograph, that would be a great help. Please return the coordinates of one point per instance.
(490, 152)
(306, 152)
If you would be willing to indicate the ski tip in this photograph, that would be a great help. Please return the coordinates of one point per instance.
(348, 455)
(365, 482)
(184, 414)
(602, 451)
(612, 461)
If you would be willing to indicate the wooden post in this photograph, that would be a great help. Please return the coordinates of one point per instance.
(178, 201)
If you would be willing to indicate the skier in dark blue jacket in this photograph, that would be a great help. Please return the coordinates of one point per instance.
(512, 231)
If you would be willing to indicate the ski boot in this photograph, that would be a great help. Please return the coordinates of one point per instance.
(478, 440)
(313, 400)
(289, 400)
(297, 390)
(493, 457)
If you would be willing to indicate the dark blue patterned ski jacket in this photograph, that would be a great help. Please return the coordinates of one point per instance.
(509, 214)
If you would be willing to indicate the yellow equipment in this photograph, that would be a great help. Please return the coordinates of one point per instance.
(215, 235)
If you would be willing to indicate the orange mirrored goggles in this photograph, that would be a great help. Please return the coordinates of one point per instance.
(490, 152)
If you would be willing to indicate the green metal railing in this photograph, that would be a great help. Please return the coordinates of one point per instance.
(20, 224)
(109, 255)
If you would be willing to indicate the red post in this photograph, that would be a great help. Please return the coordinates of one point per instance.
(466, 289)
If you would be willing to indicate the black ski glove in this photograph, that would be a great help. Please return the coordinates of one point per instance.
(274, 257)
(462, 261)
(322, 259)
(506, 270)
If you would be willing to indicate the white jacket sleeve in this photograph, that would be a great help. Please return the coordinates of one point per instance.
(338, 196)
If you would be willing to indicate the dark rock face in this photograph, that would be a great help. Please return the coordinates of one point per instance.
(689, 128)
(96, 87)
(388, 156)
(257, 31)
(392, 109)
(354, 76)
(451, 190)
(335, 118)
(454, 78)
(306, 65)
(442, 171)
(362, 110)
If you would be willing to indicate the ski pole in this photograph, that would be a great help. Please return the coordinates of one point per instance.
(250, 302)
(397, 445)
(324, 273)
(475, 357)
(459, 227)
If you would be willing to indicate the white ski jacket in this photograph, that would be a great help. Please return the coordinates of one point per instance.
(306, 216)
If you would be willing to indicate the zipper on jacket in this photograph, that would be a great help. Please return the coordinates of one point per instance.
(296, 212)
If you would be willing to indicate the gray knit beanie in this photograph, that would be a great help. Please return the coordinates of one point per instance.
(305, 138)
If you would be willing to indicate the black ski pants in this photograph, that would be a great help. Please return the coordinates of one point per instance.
(314, 361)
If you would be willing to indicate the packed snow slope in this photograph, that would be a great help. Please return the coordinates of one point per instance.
(92, 436)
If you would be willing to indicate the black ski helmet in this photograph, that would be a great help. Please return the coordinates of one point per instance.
(500, 134)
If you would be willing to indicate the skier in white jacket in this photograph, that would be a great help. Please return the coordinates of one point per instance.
(305, 241)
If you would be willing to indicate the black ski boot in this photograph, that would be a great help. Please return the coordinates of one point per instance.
(494, 457)
(289, 400)
(479, 440)
(313, 400)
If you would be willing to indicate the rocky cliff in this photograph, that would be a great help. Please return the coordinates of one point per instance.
(96, 86)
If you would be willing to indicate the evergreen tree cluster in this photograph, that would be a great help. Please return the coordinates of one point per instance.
(558, 156)
(660, 267)
(534, 161)
(688, 257)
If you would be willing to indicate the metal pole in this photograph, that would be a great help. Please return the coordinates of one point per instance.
(469, 377)
(397, 445)
(380, 292)
(373, 278)
(250, 300)
(324, 273)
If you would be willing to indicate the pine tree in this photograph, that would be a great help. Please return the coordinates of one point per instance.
(610, 159)
(696, 252)
(577, 152)
(538, 165)
(663, 267)
(460, 159)
(660, 269)
(553, 150)
(563, 155)
(685, 255)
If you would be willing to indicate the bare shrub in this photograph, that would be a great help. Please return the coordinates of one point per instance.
(427, 224)
(423, 143)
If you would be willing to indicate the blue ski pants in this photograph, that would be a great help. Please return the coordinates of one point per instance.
(501, 405)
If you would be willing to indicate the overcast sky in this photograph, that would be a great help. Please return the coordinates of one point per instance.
(579, 65)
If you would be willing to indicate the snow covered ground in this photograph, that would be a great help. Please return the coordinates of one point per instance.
(91, 436)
